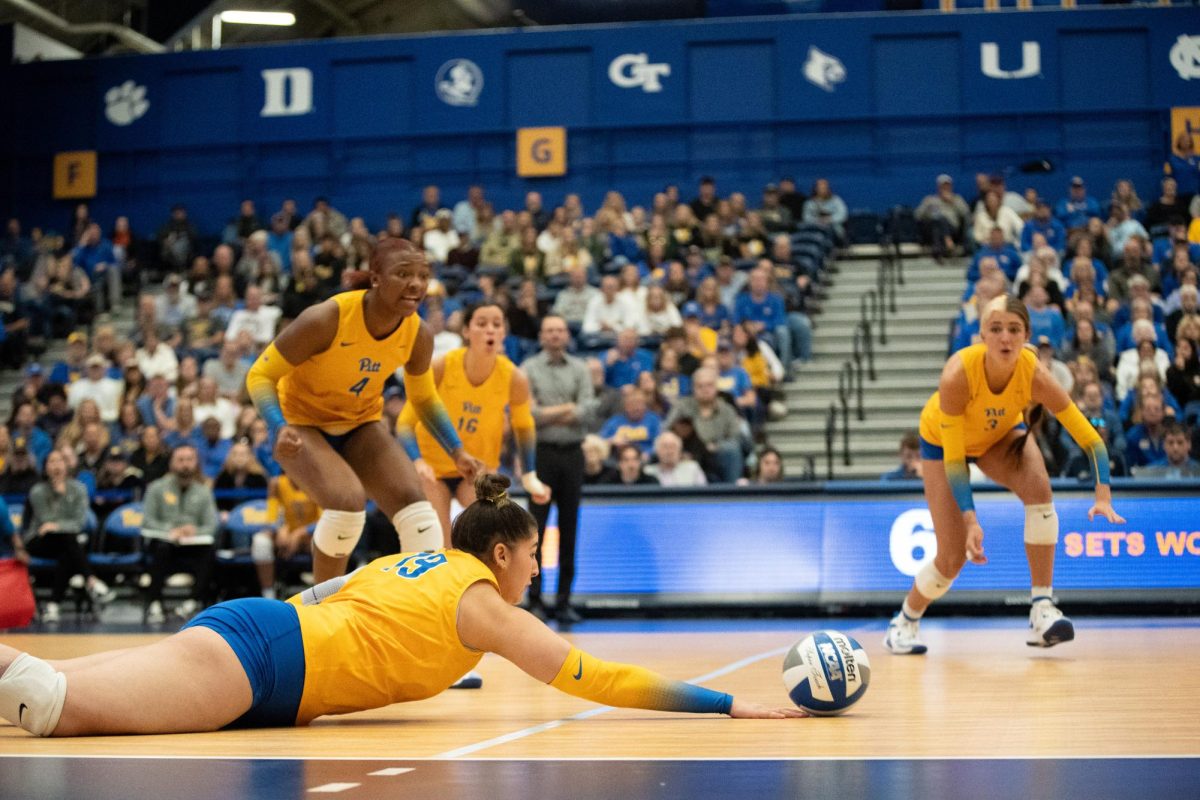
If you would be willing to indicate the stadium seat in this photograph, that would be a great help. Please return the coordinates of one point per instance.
(117, 548)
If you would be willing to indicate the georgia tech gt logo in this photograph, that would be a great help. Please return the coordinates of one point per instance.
(823, 69)
(631, 70)
(1031, 61)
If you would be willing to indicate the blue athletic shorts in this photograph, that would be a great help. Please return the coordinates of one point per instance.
(933, 452)
(338, 441)
(265, 634)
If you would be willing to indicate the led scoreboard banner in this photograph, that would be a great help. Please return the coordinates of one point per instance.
(863, 543)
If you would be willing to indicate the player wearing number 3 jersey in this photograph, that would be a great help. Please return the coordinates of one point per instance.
(977, 414)
(319, 386)
(476, 384)
(401, 628)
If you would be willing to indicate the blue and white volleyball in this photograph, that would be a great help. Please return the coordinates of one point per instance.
(826, 673)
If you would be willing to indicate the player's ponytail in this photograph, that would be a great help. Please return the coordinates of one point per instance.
(1035, 418)
(492, 518)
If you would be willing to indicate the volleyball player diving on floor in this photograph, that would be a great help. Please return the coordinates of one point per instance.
(401, 628)
(319, 386)
(977, 414)
(475, 384)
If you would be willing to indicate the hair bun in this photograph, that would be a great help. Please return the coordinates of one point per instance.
(492, 488)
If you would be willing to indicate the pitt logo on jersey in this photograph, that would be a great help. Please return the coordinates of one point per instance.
(367, 365)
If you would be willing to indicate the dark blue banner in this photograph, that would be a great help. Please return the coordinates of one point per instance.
(775, 550)
(878, 103)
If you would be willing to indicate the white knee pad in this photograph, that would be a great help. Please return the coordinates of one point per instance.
(338, 531)
(32, 694)
(931, 583)
(1041, 524)
(418, 527)
(262, 548)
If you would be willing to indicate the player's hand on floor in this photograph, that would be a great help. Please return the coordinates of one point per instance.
(743, 710)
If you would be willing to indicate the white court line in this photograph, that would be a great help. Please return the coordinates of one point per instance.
(390, 772)
(548, 726)
(333, 788)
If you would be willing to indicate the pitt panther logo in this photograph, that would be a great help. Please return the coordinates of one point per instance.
(367, 365)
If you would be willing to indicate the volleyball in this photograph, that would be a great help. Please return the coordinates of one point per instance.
(826, 672)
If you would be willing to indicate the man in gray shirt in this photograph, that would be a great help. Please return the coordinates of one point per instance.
(179, 524)
(572, 302)
(561, 390)
(229, 371)
(716, 423)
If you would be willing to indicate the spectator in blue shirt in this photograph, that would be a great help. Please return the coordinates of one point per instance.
(211, 448)
(1144, 442)
(1177, 463)
(635, 425)
(1164, 249)
(766, 313)
(1007, 257)
(22, 423)
(733, 380)
(95, 256)
(279, 240)
(909, 468)
(625, 362)
(1184, 166)
(1043, 222)
(1075, 210)
(622, 243)
(156, 405)
(1044, 319)
(1121, 227)
(70, 370)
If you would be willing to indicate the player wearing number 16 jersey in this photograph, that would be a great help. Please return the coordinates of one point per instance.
(476, 383)
(319, 386)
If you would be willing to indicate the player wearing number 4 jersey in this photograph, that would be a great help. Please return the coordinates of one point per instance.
(476, 383)
(319, 386)
(977, 414)
(401, 628)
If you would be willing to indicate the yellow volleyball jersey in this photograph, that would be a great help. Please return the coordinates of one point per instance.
(988, 417)
(342, 387)
(297, 508)
(390, 635)
(476, 411)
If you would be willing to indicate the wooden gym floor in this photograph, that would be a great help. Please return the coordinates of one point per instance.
(1115, 713)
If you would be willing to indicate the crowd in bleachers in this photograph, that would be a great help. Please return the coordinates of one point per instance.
(691, 315)
(1110, 284)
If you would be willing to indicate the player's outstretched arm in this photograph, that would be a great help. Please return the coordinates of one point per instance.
(486, 622)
